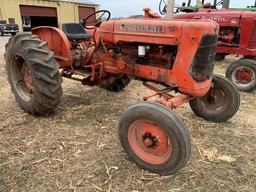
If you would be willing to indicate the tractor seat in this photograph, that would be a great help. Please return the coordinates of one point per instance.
(75, 32)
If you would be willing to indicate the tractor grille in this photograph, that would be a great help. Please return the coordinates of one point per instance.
(252, 43)
(203, 63)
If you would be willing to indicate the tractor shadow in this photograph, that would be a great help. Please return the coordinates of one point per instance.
(81, 103)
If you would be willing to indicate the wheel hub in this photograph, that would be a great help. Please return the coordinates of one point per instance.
(211, 99)
(215, 99)
(244, 75)
(22, 79)
(150, 142)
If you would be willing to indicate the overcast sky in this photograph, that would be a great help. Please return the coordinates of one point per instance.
(124, 8)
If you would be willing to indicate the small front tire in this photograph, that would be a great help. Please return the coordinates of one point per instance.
(154, 138)
(220, 103)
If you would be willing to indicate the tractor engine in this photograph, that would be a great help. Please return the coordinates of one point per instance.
(229, 36)
(78, 51)
(147, 54)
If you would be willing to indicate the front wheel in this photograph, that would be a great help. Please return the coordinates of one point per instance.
(1, 33)
(221, 102)
(243, 73)
(155, 138)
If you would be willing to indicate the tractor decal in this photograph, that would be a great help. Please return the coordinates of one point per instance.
(214, 18)
(143, 28)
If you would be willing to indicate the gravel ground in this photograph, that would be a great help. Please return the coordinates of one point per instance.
(77, 148)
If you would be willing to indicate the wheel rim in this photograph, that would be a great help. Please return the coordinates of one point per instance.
(243, 76)
(22, 79)
(214, 100)
(149, 142)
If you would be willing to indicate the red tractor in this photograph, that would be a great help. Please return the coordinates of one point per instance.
(237, 36)
(167, 56)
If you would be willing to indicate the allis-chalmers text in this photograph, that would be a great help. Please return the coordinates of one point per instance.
(143, 28)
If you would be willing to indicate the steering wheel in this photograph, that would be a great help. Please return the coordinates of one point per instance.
(219, 3)
(162, 7)
(98, 21)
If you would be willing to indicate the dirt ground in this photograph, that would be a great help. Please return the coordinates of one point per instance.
(77, 149)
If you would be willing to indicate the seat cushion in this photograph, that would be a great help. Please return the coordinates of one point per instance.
(75, 31)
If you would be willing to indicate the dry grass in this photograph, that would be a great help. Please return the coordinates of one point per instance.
(77, 149)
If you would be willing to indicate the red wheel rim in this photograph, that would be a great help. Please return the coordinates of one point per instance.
(21, 78)
(149, 142)
(244, 75)
(27, 76)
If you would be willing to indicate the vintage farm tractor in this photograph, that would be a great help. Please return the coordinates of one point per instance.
(167, 56)
(237, 36)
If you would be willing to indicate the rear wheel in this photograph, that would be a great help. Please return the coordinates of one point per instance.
(13, 34)
(33, 74)
(221, 102)
(117, 84)
(155, 138)
(243, 73)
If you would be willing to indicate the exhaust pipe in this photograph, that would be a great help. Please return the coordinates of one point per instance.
(170, 9)
(226, 4)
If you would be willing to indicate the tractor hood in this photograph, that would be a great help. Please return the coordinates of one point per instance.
(155, 31)
(230, 18)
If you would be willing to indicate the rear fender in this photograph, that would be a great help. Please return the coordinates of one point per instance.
(57, 42)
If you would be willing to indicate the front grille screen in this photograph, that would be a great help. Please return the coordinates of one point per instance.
(203, 63)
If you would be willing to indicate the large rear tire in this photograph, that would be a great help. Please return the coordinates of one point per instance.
(155, 138)
(243, 74)
(221, 102)
(33, 74)
(117, 83)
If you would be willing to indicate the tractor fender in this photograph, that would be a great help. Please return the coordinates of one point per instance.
(57, 42)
